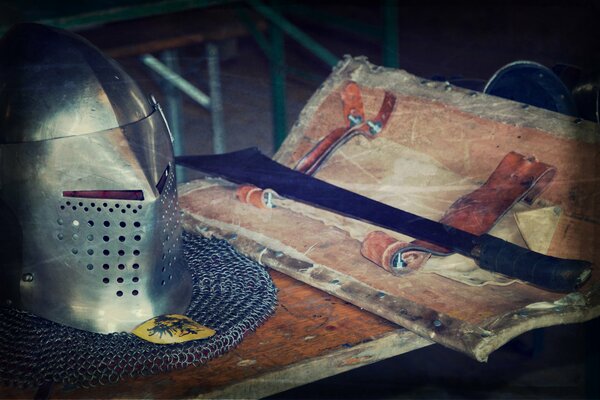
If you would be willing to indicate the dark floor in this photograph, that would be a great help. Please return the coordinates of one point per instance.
(436, 39)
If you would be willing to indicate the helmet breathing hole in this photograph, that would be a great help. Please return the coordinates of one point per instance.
(110, 238)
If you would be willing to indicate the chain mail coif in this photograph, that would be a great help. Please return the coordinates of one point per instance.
(231, 294)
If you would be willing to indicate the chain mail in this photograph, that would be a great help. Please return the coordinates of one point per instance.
(232, 295)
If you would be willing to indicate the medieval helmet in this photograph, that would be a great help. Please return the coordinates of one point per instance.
(88, 204)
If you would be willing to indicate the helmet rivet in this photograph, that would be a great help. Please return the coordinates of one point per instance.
(27, 277)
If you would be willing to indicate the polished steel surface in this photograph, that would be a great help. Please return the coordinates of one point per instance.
(55, 84)
(98, 264)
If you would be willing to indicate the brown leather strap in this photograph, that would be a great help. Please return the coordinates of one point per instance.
(516, 178)
(354, 112)
(257, 197)
(355, 125)
(386, 252)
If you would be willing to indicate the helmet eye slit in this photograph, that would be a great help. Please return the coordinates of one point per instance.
(105, 194)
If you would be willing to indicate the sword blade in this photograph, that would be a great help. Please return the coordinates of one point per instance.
(251, 166)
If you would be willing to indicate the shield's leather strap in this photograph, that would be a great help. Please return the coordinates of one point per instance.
(259, 198)
(356, 124)
(516, 178)
(354, 111)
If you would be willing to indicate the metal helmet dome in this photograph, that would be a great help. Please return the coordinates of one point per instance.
(88, 198)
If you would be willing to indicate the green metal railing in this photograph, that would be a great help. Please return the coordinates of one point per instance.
(71, 14)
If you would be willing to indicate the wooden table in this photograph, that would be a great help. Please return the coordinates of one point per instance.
(311, 336)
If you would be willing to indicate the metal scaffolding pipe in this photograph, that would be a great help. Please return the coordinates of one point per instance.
(216, 109)
(277, 70)
(176, 80)
(170, 58)
(390, 34)
(295, 33)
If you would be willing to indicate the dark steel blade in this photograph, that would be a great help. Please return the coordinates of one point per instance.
(251, 166)
(491, 253)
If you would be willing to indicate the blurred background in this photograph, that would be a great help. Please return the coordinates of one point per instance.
(236, 74)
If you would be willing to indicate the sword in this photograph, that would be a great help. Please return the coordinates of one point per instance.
(491, 253)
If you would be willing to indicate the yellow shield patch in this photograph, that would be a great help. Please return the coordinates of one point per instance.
(171, 328)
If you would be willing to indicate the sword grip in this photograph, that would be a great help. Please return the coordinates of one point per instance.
(552, 273)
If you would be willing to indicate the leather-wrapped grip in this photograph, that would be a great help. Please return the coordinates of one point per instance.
(557, 274)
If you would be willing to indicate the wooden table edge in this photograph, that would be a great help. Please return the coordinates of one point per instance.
(335, 362)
